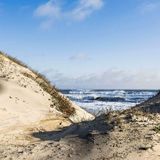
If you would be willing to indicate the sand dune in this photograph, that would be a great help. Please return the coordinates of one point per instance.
(23, 100)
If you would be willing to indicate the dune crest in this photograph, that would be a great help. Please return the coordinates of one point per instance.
(26, 96)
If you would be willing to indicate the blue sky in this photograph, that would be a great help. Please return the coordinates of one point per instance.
(86, 43)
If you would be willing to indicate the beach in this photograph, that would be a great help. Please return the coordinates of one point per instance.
(37, 122)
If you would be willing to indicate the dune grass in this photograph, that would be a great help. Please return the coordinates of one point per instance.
(59, 101)
(157, 129)
(13, 59)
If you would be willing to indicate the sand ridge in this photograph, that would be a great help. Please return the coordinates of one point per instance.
(23, 99)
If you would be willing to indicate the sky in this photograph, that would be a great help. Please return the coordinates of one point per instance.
(91, 44)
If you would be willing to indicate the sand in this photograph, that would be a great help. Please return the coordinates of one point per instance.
(108, 137)
(20, 106)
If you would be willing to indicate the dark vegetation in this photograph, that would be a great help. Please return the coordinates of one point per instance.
(157, 129)
(152, 105)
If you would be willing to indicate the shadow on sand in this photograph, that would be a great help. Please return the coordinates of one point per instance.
(82, 137)
(83, 130)
(1, 88)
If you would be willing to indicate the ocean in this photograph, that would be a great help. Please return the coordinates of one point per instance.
(100, 101)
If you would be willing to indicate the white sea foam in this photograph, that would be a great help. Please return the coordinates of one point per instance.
(98, 106)
(99, 101)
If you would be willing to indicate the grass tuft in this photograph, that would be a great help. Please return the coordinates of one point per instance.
(157, 129)
(14, 59)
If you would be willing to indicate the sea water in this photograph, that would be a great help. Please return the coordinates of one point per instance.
(101, 101)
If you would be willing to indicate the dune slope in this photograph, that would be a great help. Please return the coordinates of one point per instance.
(27, 97)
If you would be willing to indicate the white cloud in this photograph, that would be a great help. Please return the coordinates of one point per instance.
(85, 8)
(53, 11)
(110, 79)
(50, 11)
